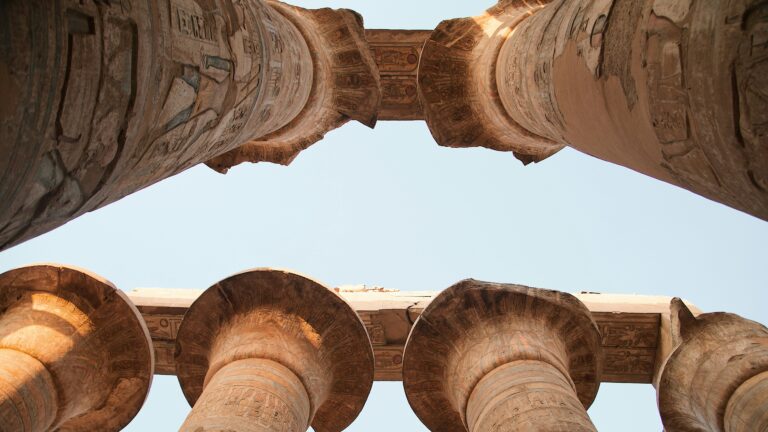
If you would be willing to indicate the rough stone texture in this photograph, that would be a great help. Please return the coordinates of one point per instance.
(345, 87)
(397, 54)
(716, 380)
(674, 89)
(298, 353)
(75, 354)
(457, 86)
(101, 99)
(635, 329)
(485, 356)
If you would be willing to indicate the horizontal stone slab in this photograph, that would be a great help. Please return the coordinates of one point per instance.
(630, 326)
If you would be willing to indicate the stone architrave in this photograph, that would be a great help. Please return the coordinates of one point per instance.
(634, 328)
(674, 89)
(101, 99)
(498, 357)
(269, 350)
(75, 354)
(716, 380)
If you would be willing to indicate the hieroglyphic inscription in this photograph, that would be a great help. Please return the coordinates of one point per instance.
(164, 364)
(669, 104)
(247, 404)
(374, 328)
(397, 55)
(751, 70)
(164, 327)
(191, 24)
(629, 342)
(388, 361)
(633, 365)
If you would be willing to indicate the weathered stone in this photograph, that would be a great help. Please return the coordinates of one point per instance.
(268, 350)
(458, 89)
(345, 87)
(75, 354)
(101, 99)
(397, 54)
(634, 328)
(485, 356)
(673, 89)
(716, 380)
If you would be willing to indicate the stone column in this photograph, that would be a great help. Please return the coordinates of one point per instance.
(676, 90)
(101, 99)
(499, 357)
(75, 353)
(716, 379)
(269, 350)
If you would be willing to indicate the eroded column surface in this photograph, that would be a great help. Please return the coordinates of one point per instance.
(717, 378)
(269, 350)
(676, 90)
(101, 99)
(345, 86)
(75, 354)
(497, 357)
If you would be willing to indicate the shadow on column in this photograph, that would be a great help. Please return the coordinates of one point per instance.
(269, 350)
(499, 357)
(716, 380)
(75, 354)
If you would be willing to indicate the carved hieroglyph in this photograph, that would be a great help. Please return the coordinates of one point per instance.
(75, 354)
(345, 87)
(631, 327)
(101, 99)
(457, 87)
(397, 54)
(716, 380)
(495, 357)
(269, 350)
(674, 89)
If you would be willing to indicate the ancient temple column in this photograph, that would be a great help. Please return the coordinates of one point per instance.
(75, 353)
(717, 378)
(345, 86)
(673, 89)
(269, 350)
(101, 99)
(499, 357)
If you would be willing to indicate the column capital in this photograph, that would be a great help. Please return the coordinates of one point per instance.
(458, 90)
(285, 318)
(474, 327)
(345, 86)
(717, 352)
(87, 335)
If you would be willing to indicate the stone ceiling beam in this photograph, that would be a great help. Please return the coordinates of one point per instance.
(632, 327)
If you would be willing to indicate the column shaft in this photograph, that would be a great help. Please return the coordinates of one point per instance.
(253, 395)
(747, 409)
(526, 396)
(28, 397)
(101, 99)
(672, 89)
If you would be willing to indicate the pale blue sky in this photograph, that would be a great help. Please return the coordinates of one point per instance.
(389, 207)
